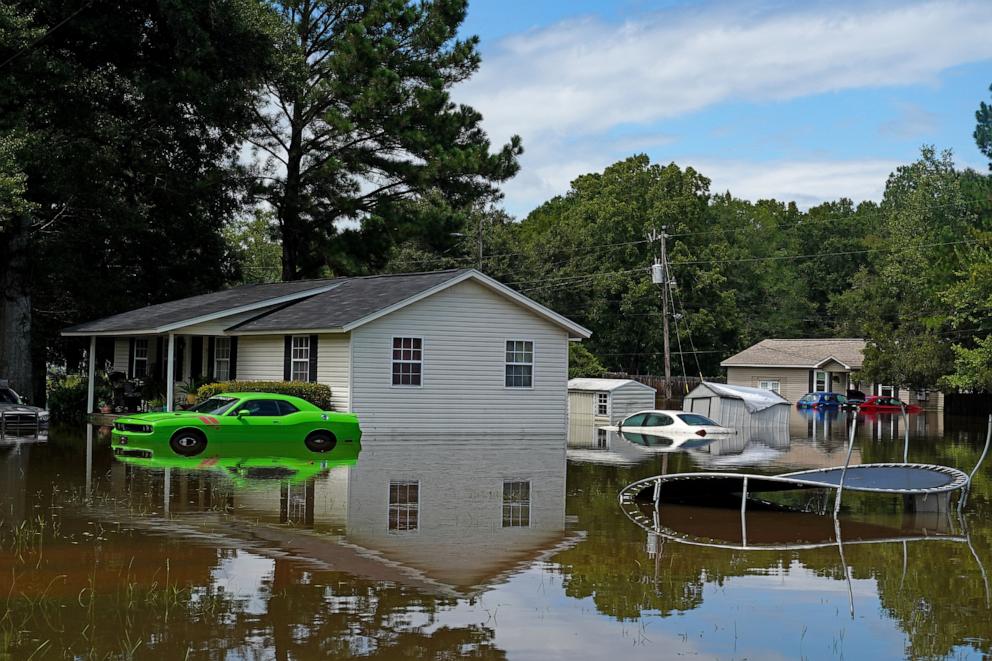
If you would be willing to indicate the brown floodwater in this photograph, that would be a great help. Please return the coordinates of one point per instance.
(486, 546)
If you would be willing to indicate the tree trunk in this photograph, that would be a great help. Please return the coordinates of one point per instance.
(15, 311)
(289, 210)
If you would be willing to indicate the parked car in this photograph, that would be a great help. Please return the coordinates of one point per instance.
(18, 416)
(855, 397)
(823, 400)
(666, 423)
(883, 403)
(272, 419)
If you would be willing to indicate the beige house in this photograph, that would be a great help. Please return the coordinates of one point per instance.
(793, 368)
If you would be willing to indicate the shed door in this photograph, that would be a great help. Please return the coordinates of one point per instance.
(581, 404)
(701, 405)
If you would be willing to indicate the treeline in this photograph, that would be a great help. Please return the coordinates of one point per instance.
(912, 273)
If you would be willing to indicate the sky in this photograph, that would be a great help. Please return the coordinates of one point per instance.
(797, 100)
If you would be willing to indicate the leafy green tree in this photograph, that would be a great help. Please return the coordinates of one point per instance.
(583, 363)
(358, 121)
(256, 252)
(983, 130)
(133, 115)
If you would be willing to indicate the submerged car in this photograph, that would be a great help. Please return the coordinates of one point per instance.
(18, 415)
(277, 421)
(883, 403)
(666, 423)
(823, 400)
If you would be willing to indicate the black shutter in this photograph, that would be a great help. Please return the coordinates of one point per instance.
(160, 356)
(211, 344)
(313, 358)
(811, 382)
(196, 359)
(129, 370)
(287, 354)
(233, 370)
(180, 357)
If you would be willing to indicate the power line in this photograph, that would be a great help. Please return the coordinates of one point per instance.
(48, 33)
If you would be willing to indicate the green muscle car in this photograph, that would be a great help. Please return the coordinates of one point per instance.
(267, 421)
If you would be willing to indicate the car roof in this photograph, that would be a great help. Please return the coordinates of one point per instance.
(267, 395)
(665, 411)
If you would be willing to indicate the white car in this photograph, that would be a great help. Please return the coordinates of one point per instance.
(667, 423)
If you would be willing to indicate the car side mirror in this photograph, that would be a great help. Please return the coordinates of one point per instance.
(243, 413)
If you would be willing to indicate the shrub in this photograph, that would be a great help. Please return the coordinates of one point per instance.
(67, 397)
(317, 394)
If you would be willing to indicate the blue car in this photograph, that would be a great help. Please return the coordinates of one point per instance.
(822, 400)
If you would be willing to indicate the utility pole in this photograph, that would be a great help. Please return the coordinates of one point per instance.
(660, 275)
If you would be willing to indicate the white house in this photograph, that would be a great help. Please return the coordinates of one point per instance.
(608, 401)
(418, 352)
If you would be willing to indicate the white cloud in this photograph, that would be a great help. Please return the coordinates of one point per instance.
(566, 87)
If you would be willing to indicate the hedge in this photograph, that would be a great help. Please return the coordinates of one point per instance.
(317, 394)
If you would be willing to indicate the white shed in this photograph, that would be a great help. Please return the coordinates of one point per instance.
(757, 414)
(608, 401)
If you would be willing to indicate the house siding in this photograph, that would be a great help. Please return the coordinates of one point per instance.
(464, 330)
(794, 382)
(334, 367)
(260, 358)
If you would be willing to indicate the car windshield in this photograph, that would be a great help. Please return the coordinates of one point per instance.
(696, 419)
(8, 396)
(215, 405)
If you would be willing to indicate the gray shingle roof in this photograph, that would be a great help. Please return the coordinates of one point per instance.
(804, 353)
(178, 311)
(353, 299)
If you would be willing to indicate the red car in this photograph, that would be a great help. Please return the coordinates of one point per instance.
(882, 403)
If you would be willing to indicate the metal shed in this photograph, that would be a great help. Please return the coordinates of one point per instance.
(608, 401)
(756, 414)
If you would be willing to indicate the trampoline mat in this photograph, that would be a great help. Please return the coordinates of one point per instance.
(897, 478)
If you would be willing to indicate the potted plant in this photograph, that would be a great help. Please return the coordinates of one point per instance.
(103, 406)
(155, 404)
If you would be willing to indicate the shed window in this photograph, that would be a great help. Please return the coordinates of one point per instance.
(774, 386)
(404, 506)
(222, 358)
(519, 364)
(602, 403)
(516, 504)
(140, 367)
(301, 358)
(408, 361)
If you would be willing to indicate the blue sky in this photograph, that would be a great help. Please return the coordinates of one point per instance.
(805, 101)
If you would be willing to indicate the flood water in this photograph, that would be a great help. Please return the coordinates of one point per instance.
(482, 546)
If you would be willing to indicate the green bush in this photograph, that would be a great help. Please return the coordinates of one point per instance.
(317, 394)
(67, 397)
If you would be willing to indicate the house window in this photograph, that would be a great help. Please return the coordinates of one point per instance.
(887, 391)
(404, 506)
(140, 367)
(603, 403)
(516, 504)
(222, 358)
(301, 358)
(519, 364)
(821, 382)
(408, 361)
(774, 386)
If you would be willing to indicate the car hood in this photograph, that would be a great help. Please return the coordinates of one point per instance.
(158, 417)
(7, 407)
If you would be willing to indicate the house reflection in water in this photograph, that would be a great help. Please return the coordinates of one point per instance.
(449, 515)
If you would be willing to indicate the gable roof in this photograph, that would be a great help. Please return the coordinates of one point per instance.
(195, 309)
(333, 305)
(604, 385)
(801, 353)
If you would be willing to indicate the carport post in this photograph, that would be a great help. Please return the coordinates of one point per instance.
(91, 377)
(170, 373)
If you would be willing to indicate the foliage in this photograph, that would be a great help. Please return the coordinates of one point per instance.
(358, 122)
(256, 252)
(67, 397)
(582, 363)
(318, 394)
(983, 129)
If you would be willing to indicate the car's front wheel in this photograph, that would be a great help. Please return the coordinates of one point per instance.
(188, 442)
(321, 441)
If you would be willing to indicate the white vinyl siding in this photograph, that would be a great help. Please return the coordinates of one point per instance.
(222, 358)
(333, 367)
(620, 401)
(260, 357)
(464, 330)
(793, 381)
(300, 358)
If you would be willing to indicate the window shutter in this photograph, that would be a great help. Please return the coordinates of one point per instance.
(233, 369)
(129, 370)
(160, 356)
(196, 359)
(313, 358)
(210, 356)
(812, 383)
(287, 357)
